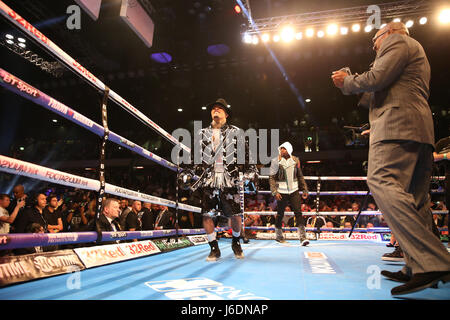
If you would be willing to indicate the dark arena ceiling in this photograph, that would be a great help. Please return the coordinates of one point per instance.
(244, 74)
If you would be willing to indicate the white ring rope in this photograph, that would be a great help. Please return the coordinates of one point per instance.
(31, 170)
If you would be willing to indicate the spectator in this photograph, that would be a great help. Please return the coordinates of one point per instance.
(124, 214)
(316, 222)
(148, 217)
(347, 225)
(133, 221)
(108, 219)
(76, 218)
(5, 218)
(123, 205)
(163, 219)
(33, 214)
(19, 195)
(52, 214)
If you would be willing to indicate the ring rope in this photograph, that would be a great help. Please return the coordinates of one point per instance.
(332, 213)
(24, 240)
(27, 91)
(339, 178)
(78, 69)
(31, 170)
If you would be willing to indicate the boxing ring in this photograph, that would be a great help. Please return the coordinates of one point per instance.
(170, 264)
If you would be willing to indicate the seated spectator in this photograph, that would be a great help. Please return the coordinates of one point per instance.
(329, 225)
(148, 217)
(124, 214)
(52, 214)
(133, 221)
(316, 222)
(108, 220)
(347, 225)
(76, 218)
(164, 219)
(33, 214)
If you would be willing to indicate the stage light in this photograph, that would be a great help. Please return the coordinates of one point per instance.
(397, 20)
(21, 148)
(368, 28)
(8, 36)
(409, 23)
(332, 29)
(9, 42)
(237, 9)
(22, 45)
(255, 40)
(247, 38)
(21, 40)
(320, 33)
(299, 36)
(265, 37)
(276, 38)
(180, 110)
(287, 34)
(344, 30)
(423, 20)
(203, 108)
(356, 27)
(444, 16)
(308, 100)
(55, 121)
(310, 32)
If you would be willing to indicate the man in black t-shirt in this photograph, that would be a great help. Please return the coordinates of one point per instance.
(148, 216)
(133, 221)
(52, 214)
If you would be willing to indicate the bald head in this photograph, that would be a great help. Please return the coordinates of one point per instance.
(390, 28)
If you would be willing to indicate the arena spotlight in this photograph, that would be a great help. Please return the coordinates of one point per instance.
(9, 42)
(308, 100)
(22, 40)
(409, 23)
(423, 20)
(356, 27)
(332, 29)
(9, 36)
(344, 30)
(368, 28)
(255, 40)
(276, 38)
(299, 36)
(203, 108)
(444, 16)
(180, 110)
(22, 45)
(397, 20)
(287, 34)
(310, 32)
(265, 37)
(320, 33)
(247, 38)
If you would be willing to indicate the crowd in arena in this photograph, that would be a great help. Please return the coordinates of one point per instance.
(72, 210)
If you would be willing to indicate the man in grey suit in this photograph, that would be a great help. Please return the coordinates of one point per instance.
(396, 90)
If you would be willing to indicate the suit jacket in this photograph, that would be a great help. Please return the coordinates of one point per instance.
(104, 225)
(398, 87)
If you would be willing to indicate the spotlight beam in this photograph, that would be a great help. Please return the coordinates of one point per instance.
(292, 86)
